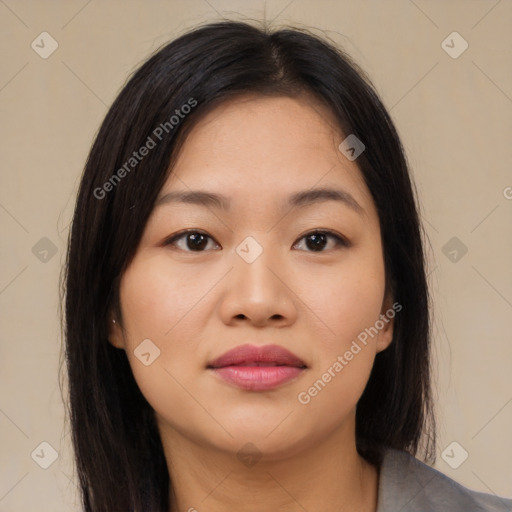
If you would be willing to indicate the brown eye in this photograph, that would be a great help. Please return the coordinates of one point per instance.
(317, 241)
(190, 241)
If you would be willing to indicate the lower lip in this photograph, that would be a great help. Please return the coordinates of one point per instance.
(258, 378)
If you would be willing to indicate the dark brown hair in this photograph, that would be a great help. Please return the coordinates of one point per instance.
(119, 455)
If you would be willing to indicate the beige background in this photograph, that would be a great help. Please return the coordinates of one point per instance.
(455, 119)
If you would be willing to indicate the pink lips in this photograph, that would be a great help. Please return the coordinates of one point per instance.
(257, 368)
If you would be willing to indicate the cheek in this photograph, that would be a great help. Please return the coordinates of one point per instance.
(159, 304)
(345, 352)
(158, 299)
(163, 306)
(348, 299)
(347, 302)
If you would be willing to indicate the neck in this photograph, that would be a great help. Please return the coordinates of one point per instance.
(329, 476)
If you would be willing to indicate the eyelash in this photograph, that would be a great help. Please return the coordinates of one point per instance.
(340, 241)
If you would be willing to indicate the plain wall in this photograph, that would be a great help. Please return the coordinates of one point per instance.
(455, 119)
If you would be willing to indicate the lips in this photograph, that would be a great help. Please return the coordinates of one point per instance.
(250, 355)
(260, 369)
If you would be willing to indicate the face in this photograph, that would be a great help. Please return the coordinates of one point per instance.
(263, 265)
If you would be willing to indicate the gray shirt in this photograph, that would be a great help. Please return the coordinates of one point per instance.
(409, 485)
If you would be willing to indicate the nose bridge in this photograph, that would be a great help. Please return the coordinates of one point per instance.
(256, 290)
(254, 260)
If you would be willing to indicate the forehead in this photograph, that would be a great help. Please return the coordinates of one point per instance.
(254, 145)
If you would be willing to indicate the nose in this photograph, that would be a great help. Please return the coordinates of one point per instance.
(259, 293)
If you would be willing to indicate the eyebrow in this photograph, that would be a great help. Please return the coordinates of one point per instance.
(296, 200)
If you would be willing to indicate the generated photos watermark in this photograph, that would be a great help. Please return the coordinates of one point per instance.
(304, 397)
(152, 141)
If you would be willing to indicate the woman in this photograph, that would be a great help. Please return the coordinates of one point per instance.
(246, 303)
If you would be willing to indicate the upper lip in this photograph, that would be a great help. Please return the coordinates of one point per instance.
(272, 354)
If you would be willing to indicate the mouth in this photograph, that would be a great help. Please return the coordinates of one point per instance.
(255, 368)
(256, 363)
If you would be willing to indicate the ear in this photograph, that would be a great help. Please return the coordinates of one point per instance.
(387, 317)
(115, 333)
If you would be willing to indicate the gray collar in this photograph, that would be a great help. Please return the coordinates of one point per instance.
(409, 485)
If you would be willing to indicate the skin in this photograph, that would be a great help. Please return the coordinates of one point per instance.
(195, 306)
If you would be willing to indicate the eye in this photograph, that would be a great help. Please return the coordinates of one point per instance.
(191, 240)
(197, 241)
(316, 241)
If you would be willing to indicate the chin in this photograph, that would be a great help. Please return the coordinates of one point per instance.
(264, 438)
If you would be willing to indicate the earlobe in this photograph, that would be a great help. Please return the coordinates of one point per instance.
(385, 338)
(387, 323)
(115, 334)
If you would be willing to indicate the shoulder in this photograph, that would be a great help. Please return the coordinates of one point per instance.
(409, 485)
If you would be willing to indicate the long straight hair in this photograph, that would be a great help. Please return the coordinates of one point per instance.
(118, 451)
